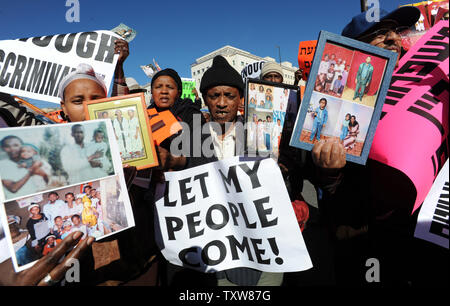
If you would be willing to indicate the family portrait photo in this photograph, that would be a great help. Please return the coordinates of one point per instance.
(37, 225)
(42, 158)
(266, 109)
(333, 119)
(345, 92)
(130, 124)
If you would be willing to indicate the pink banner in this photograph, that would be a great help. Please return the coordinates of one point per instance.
(412, 134)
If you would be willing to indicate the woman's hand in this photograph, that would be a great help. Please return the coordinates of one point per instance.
(47, 265)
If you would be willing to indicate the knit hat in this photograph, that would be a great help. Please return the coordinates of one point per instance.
(83, 71)
(271, 67)
(169, 72)
(221, 73)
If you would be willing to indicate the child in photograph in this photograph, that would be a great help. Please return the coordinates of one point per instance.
(320, 119)
(51, 243)
(268, 126)
(99, 145)
(320, 83)
(344, 127)
(77, 226)
(344, 78)
(353, 131)
(89, 215)
(268, 99)
(29, 154)
(252, 132)
(252, 103)
(324, 65)
(260, 134)
(329, 77)
(276, 135)
(58, 227)
(337, 85)
(67, 229)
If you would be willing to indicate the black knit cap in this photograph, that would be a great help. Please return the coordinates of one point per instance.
(221, 73)
(169, 72)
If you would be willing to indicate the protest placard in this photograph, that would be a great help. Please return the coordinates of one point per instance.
(306, 50)
(227, 214)
(432, 222)
(4, 252)
(252, 71)
(86, 171)
(418, 97)
(33, 67)
(188, 85)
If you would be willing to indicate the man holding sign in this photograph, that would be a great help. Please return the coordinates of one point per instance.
(222, 89)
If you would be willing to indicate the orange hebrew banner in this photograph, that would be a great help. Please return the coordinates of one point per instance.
(306, 50)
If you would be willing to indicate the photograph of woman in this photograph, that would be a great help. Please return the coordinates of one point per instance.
(353, 131)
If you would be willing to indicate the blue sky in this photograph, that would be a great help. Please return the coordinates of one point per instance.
(175, 33)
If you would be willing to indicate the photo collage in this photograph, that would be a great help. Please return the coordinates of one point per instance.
(39, 223)
(344, 96)
(268, 108)
(59, 179)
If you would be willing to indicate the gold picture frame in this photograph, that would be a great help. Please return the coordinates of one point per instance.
(132, 132)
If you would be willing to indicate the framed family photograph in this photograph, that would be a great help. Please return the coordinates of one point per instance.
(42, 158)
(131, 127)
(270, 112)
(99, 209)
(344, 95)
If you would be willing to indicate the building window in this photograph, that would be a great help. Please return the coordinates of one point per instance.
(242, 63)
(234, 63)
(194, 72)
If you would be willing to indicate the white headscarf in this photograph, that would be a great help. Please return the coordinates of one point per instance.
(83, 71)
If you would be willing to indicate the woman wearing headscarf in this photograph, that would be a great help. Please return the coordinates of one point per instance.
(166, 88)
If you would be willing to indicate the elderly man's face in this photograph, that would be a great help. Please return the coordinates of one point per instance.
(223, 103)
(273, 77)
(385, 35)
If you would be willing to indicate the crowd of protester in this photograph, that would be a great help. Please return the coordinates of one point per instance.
(359, 215)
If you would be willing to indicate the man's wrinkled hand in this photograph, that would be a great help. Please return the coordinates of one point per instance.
(329, 155)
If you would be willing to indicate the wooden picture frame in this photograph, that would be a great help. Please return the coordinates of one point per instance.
(136, 150)
(353, 91)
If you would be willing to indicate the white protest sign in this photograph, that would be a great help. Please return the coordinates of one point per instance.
(252, 70)
(4, 252)
(229, 214)
(432, 222)
(34, 67)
